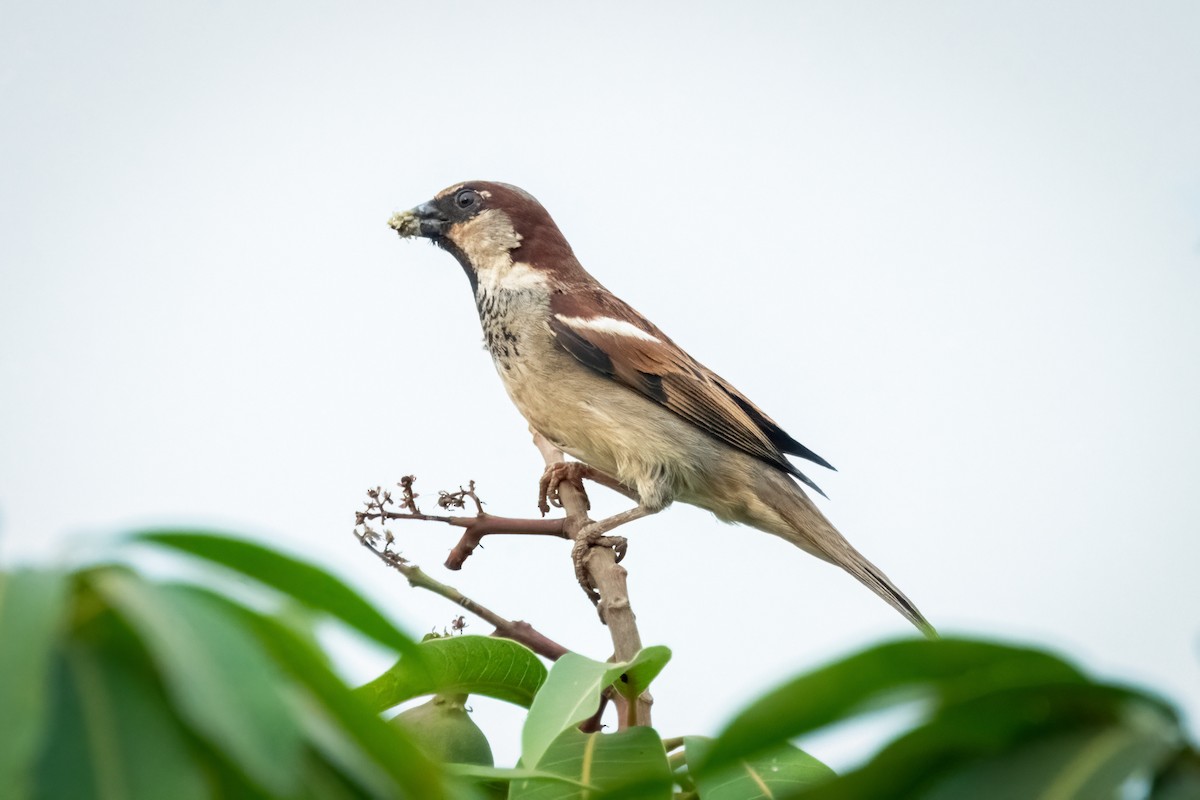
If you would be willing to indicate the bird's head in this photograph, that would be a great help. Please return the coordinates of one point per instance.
(489, 227)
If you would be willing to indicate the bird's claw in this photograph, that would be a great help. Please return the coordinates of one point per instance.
(579, 552)
(570, 472)
(584, 543)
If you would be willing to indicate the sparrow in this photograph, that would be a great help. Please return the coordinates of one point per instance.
(606, 386)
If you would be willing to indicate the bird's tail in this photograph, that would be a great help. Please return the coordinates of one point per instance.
(806, 527)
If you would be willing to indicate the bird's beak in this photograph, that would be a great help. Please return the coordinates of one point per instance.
(424, 220)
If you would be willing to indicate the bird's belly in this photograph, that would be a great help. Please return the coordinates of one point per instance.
(608, 426)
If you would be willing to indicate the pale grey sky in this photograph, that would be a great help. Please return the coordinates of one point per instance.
(955, 249)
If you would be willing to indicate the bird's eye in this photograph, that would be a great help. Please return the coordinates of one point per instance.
(467, 198)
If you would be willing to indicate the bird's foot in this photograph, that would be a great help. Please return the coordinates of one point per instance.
(595, 534)
(588, 539)
(578, 554)
(571, 473)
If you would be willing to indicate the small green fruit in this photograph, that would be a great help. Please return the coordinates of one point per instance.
(445, 731)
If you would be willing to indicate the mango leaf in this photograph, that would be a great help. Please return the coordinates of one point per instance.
(1093, 762)
(339, 748)
(113, 733)
(485, 665)
(303, 621)
(387, 746)
(1056, 736)
(219, 679)
(642, 670)
(323, 782)
(308, 584)
(631, 765)
(945, 670)
(1179, 779)
(32, 610)
(571, 694)
(478, 773)
(779, 771)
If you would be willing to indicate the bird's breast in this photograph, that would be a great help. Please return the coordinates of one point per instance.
(514, 330)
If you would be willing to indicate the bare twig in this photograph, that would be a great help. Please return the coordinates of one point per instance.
(458, 499)
(595, 723)
(478, 526)
(518, 631)
(409, 498)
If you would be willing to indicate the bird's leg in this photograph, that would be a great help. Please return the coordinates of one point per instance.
(593, 535)
(569, 472)
(573, 473)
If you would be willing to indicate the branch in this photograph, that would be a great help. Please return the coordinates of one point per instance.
(478, 526)
(606, 576)
(518, 631)
(602, 576)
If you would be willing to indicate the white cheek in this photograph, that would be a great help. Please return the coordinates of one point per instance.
(486, 239)
(521, 276)
(502, 274)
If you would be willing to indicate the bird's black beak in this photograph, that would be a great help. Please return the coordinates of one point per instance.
(425, 220)
(431, 220)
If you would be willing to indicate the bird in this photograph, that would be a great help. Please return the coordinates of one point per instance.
(606, 386)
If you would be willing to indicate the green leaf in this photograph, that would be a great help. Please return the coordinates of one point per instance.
(323, 782)
(310, 585)
(571, 694)
(774, 773)
(478, 773)
(643, 669)
(485, 665)
(113, 734)
(32, 610)
(1179, 779)
(301, 620)
(945, 669)
(338, 747)
(1082, 763)
(631, 765)
(218, 677)
(388, 747)
(1044, 740)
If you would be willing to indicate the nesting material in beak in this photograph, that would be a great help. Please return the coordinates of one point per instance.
(405, 223)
